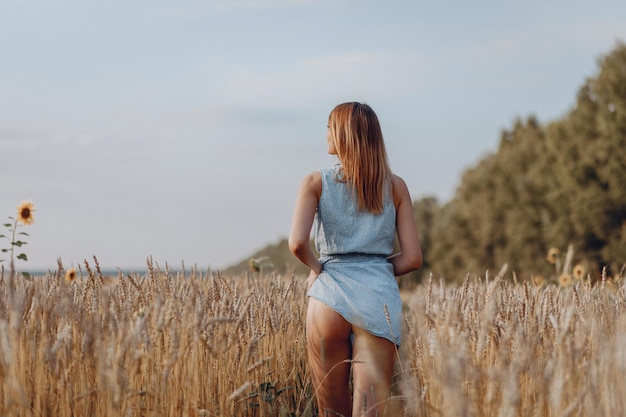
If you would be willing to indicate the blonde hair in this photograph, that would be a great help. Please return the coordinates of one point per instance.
(358, 139)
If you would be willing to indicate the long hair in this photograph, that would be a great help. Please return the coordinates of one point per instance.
(358, 139)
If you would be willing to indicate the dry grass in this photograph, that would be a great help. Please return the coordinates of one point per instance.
(160, 345)
(503, 349)
(197, 343)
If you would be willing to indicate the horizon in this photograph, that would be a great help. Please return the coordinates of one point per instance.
(181, 132)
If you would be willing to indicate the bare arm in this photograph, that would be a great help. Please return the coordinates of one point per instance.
(410, 256)
(303, 216)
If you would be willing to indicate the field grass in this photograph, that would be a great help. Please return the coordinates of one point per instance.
(197, 343)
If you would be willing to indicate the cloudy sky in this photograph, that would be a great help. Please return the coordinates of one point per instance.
(181, 130)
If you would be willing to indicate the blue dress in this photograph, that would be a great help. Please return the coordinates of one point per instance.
(357, 280)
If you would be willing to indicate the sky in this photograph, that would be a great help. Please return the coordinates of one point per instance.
(181, 130)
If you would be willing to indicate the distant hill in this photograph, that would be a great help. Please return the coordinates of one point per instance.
(272, 258)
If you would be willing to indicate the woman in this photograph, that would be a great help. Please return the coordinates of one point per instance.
(354, 311)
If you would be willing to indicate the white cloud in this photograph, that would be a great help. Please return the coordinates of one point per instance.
(596, 35)
(359, 75)
(239, 5)
(27, 141)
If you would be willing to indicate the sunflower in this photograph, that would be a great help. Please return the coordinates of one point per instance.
(25, 213)
(610, 283)
(70, 275)
(254, 265)
(579, 271)
(553, 255)
(538, 280)
(565, 280)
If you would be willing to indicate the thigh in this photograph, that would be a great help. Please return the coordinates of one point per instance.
(376, 354)
(329, 351)
(373, 367)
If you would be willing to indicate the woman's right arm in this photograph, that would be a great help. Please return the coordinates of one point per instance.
(410, 256)
(303, 216)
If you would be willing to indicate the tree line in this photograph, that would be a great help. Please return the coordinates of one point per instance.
(546, 186)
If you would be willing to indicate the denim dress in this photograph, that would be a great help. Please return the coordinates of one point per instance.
(357, 280)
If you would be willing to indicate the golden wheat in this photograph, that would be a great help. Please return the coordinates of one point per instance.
(196, 343)
(154, 345)
(499, 349)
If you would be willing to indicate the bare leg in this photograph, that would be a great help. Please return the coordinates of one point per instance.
(329, 350)
(374, 359)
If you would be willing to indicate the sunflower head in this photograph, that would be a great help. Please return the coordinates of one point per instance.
(538, 280)
(254, 266)
(579, 271)
(565, 280)
(610, 283)
(25, 213)
(553, 255)
(70, 275)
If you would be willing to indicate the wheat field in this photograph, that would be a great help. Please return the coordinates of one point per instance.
(197, 343)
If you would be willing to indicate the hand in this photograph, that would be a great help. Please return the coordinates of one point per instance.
(311, 279)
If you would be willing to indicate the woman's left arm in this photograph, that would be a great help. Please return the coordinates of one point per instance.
(410, 256)
(303, 216)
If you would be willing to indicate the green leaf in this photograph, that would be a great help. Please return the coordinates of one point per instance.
(23, 234)
(26, 275)
(7, 225)
(280, 391)
(18, 243)
(5, 250)
(265, 386)
(2, 236)
(22, 256)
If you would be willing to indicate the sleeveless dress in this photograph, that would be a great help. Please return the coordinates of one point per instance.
(357, 281)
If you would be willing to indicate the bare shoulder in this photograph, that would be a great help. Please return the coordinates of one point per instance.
(398, 182)
(313, 178)
(312, 182)
(400, 190)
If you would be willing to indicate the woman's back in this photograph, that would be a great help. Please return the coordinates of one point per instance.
(341, 228)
